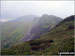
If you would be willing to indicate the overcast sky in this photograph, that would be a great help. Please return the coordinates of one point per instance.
(16, 9)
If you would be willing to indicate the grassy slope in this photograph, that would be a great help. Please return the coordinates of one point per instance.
(11, 33)
(63, 40)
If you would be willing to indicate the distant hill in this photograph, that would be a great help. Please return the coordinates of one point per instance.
(12, 31)
(44, 24)
(59, 39)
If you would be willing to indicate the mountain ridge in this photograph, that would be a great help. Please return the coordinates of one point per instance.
(45, 23)
(59, 39)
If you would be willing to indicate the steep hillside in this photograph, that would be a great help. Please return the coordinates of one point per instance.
(59, 39)
(62, 36)
(44, 24)
(13, 31)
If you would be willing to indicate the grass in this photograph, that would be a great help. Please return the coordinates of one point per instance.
(63, 41)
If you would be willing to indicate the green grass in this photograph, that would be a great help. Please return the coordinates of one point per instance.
(63, 40)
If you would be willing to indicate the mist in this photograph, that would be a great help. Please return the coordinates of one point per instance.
(14, 9)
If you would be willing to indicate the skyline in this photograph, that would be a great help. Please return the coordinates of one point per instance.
(14, 9)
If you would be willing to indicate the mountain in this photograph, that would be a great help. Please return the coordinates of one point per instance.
(43, 24)
(26, 28)
(12, 31)
(62, 37)
(59, 39)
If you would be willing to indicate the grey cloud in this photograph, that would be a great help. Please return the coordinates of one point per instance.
(15, 9)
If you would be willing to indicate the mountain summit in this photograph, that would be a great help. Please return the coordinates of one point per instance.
(44, 24)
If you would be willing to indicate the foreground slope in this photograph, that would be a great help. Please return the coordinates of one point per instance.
(59, 39)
